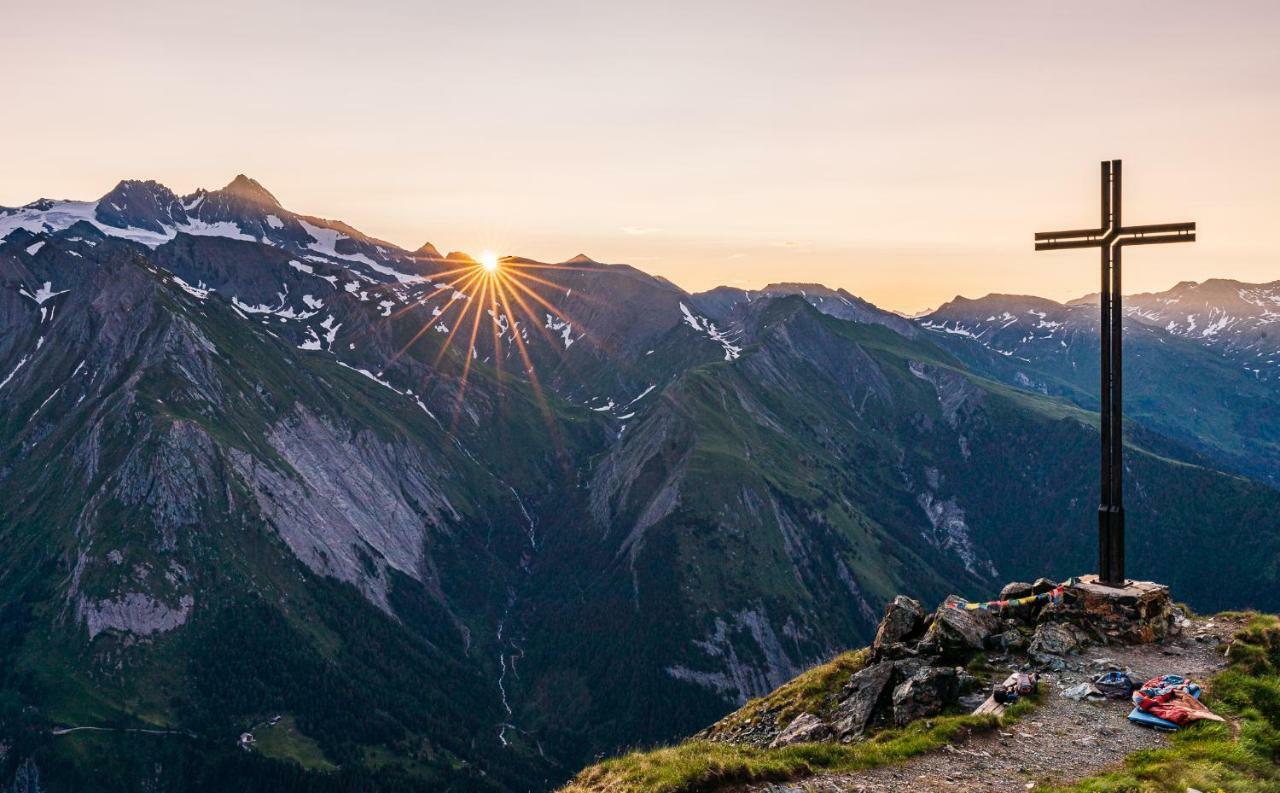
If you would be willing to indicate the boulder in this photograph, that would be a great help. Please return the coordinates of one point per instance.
(1054, 640)
(1010, 641)
(1043, 585)
(926, 693)
(903, 620)
(1015, 590)
(957, 633)
(859, 698)
(805, 728)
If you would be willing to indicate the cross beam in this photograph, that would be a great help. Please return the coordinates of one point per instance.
(1111, 236)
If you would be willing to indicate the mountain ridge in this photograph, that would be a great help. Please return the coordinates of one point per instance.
(287, 440)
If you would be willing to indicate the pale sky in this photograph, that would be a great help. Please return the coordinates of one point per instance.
(903, 150)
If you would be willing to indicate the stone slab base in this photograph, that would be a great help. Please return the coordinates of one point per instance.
(1139, 612)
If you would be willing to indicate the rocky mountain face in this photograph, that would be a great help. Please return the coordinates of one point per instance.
(1236, 319)
(466, 532)
(1191, 388)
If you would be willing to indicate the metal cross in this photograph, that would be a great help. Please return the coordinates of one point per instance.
(1111, 235)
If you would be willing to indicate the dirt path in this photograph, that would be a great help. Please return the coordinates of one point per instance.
(1061, 741)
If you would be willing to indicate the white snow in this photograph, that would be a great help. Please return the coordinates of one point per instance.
(223, 228)
(32, 249)
(564, 328)
(275, 222)
(64, 214)
(332, 329)
(191, 290)
(643, 394)
(312, 343)
(704, 325)
(43, 294)
(326, 241)
(21, 363)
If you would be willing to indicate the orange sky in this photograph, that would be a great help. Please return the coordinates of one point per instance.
(905, 151)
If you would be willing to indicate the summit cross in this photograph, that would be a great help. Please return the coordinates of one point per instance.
(1111, 236)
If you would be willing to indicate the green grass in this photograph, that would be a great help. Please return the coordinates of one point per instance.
(1242, 756)
(285, 741)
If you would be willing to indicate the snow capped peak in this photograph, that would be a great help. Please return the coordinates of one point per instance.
(140, 204)
(250, 190)
(581, 258)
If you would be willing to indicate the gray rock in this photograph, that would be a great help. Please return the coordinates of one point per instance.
(1010, 640)
(893, 652)
(1016, 589)
(1078, 692)
(925, 694)
(1043, 585)
(805, 728)
(859, 698)
(958, 633)
(903, 620)
(1055, 639)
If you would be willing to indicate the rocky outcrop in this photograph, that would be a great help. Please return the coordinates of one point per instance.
(860, 698)
(903, 620)
(349, 506)
(925, 693)
(915, 667)
(135, 612)
(956, 633)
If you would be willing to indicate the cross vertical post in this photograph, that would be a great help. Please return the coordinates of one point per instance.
(1111, 237)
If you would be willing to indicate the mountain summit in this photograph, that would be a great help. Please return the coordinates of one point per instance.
(250, 190)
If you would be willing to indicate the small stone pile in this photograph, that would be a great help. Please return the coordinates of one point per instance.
(916, 666)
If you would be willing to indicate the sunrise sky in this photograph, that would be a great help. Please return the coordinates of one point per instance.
(905, 151)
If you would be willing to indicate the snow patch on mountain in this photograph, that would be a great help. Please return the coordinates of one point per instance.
(706, 326)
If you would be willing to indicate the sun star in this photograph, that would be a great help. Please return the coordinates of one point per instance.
(489, 261)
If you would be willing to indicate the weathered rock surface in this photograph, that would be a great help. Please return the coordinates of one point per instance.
(1015, 589)
(135, 612)
(956, 633)
(1055, 639)
(860, 697)
(925, 693)
(903, 620)
(806, 728)
(1140, 612)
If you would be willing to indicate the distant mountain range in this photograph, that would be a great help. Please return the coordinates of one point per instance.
(467, 532)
